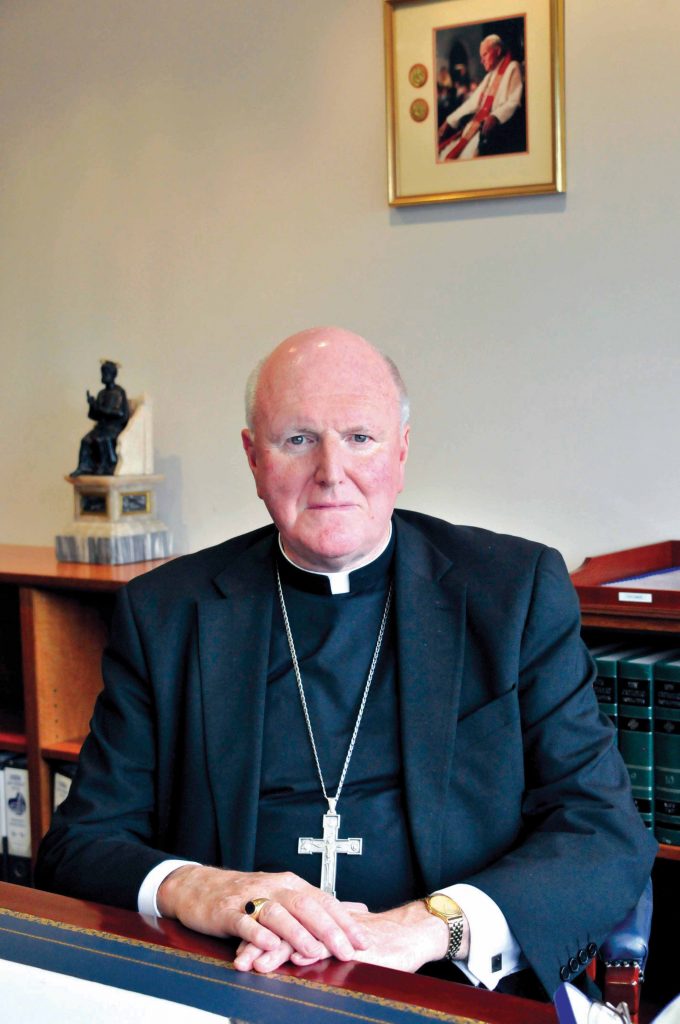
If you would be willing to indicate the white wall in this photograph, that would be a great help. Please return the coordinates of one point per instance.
(184, 184)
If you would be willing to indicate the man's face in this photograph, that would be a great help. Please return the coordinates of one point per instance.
(489, 54)
(328, 453)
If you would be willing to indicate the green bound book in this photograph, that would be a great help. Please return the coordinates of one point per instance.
(636, 735)
(606, 685)
(667, 752)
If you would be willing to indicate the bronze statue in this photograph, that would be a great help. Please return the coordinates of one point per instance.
(111, 412)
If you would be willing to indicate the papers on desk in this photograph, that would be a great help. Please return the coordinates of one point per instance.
(31, 994)
(666, 579)
(671, 1014)
(573, 1007)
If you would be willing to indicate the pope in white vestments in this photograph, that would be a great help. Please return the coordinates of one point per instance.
(492, 104)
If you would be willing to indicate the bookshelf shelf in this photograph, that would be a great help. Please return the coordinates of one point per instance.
(69, 750)
(15, 742)
(662, 625)
(62, 614)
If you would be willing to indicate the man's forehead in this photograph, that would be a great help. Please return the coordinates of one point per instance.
(336, 407)
(362, 377)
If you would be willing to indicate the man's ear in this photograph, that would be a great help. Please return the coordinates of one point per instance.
(405, 438)
(248, 442)
(403, 455)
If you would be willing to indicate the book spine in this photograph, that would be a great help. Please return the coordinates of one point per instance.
(63, 774)
(636, 742)
(18, 821)
(606, 691)
(3, 819)
(667, 761)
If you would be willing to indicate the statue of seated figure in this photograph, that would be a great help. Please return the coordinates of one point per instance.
(111, 412)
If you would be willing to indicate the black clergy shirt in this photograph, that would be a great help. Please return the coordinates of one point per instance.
(335, 637)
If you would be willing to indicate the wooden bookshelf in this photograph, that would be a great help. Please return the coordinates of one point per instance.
(604, 616)
(62, 614)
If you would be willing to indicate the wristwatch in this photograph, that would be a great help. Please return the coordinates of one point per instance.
(448, 910)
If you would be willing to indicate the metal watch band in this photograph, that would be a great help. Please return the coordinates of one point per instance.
(455, 936)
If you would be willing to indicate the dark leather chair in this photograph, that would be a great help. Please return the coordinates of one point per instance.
(623, 956)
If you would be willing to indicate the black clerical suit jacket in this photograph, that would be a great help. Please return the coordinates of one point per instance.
(512, 781)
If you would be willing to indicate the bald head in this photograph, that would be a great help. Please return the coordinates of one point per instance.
(327, 444)
(490, 52)
(333, 342)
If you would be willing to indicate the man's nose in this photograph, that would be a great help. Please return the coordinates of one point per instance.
(329, 468)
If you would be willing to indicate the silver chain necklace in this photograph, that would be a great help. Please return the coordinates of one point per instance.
(330, 845)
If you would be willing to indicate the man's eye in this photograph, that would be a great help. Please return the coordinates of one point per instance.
(360, 438)
(297, 439)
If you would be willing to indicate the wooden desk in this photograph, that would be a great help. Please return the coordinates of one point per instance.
(449, 1001)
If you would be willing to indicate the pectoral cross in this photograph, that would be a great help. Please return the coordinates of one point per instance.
(329, 847)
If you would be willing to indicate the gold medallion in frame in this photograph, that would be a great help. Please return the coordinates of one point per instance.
(419, 110)
(418, 76)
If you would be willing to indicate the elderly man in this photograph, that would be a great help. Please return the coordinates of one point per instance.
(357, 732)
(489, 108)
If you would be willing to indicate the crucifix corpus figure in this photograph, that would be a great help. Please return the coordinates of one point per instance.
(329, 847)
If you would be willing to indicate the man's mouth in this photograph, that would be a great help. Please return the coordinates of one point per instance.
(324, 507)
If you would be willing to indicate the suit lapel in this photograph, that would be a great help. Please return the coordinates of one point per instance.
(430, 610)
(234, 632)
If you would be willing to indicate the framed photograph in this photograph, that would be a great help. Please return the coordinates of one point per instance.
(475, 99)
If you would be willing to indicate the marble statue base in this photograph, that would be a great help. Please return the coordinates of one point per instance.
(114, 521)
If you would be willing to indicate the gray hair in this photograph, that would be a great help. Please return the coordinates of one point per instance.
(393, 369)
(493, 39)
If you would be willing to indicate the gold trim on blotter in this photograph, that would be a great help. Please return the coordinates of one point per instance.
(422, 1011)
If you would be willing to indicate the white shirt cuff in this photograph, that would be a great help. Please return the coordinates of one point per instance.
(494, 951)
(148, 890)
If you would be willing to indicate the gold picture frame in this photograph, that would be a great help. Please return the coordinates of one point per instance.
(475, 99)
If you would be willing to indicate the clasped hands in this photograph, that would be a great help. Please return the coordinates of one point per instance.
(300, 923)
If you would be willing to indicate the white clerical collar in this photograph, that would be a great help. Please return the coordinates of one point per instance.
(338, 581)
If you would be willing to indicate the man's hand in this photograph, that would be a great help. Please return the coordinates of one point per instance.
(408, 937)
(490, 124)
(404, 939)
(301, 923)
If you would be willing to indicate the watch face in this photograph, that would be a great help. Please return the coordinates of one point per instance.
(442, 904)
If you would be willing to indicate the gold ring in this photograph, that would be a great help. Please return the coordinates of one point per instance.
(253, 908)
